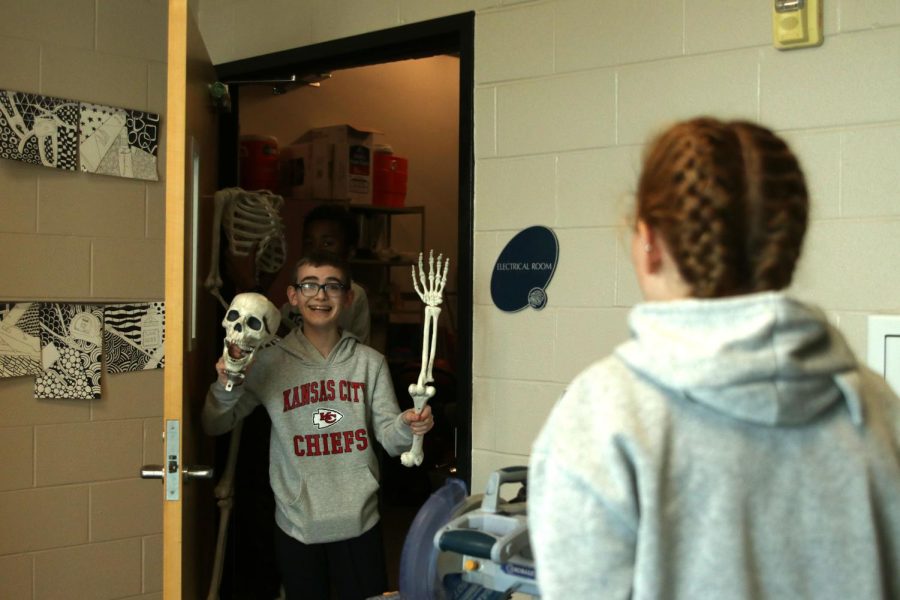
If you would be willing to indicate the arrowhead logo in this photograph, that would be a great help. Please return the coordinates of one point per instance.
(325, 417)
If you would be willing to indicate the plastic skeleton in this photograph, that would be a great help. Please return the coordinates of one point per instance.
(250, 324)
(431, 293)
(250, 219)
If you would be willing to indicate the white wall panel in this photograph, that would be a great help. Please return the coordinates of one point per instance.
(514, 345)
(853, 78)
(851, 265)
(587, 335)
(652, 95)
(412, 11)
(520, 410)
(514, 44)
(870, 180)
(485, 122)
(332, 20)
(819, 153)
(569, 112)
(596, 187)
(594, 34)
(724, 25)
(866, 14)
(511, 193)
(586, 273)
(264, 27)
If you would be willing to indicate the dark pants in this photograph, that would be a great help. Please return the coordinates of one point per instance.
(355, 568)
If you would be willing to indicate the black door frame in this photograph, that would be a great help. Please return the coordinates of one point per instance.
(447, 35)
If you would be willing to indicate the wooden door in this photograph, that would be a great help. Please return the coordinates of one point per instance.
(191, 319)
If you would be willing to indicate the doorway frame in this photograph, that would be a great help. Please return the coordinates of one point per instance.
(446, 35)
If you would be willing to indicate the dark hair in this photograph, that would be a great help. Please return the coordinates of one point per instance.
(318, 258)
(730, 202)
(336, 213)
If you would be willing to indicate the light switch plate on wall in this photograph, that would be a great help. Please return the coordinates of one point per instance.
(884, 348)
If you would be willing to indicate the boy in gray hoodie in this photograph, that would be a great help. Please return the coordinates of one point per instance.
(330, 398)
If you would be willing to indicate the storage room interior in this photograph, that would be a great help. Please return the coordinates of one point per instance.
(413, 108)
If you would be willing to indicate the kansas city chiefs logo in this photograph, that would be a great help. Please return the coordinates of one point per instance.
(325, 417)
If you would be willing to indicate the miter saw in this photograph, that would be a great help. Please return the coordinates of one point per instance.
(463, 547)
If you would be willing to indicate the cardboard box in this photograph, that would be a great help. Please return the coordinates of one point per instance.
(341, 159)
(296, 171)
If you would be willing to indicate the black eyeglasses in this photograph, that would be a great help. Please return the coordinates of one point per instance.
(310, 289)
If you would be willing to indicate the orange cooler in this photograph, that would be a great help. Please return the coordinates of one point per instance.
(389, 180)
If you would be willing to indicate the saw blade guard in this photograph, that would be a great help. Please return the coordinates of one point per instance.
(419, 557)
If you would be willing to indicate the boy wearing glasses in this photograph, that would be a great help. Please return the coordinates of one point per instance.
(330, 398)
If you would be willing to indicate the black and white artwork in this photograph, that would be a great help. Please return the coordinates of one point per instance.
(39, 130)
(71, 349)
(133, 336)
(20, 342)
(119, 142)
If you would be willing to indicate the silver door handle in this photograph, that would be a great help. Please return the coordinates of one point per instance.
(194, 472)
(198, 472)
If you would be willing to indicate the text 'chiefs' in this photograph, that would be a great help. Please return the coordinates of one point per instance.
(336, 442)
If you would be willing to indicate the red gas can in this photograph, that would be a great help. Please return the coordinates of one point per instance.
(389, 176)
(259, 162)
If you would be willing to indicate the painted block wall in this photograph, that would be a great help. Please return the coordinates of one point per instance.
(567, 91)
(76, 520)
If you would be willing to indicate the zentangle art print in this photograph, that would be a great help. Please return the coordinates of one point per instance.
(119, 142)
(133, 336)
(39, 130)
(71, 349)
(20, 342)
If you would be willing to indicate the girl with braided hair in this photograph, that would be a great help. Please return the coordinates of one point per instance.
(734, 447)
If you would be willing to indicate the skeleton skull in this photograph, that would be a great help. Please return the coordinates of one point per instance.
(250, 322)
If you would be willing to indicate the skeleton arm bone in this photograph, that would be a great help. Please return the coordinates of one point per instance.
(420, 395)
(431, 293)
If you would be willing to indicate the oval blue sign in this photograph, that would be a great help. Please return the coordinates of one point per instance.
(524, 269)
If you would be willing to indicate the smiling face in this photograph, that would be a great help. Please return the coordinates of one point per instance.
(322, 310)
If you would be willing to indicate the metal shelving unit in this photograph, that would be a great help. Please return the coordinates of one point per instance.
(376, 258)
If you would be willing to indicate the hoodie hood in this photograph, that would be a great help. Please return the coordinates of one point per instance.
(763, 358)
(296, 344)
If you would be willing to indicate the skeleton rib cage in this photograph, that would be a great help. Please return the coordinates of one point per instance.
(249, 219)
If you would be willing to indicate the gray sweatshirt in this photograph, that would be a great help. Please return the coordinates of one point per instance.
(324, 411)
(733, 448)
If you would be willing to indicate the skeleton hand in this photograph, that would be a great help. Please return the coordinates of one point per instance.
(431, 291)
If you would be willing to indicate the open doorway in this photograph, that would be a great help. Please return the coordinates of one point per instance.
(403, 68)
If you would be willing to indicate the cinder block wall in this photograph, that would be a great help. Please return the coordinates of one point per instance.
(76, 521)
(567, 91)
